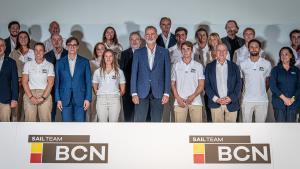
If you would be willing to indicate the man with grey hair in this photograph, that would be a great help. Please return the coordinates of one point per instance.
(54, 28)
(9, 86)
(135, 41)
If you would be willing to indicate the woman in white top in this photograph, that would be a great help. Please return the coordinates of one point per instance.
(21, 54)
(37, 81)
(110, 39)
(109, 85)
(95, 64)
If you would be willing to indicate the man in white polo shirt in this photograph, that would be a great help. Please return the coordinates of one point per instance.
(187, 85)
(255, 71)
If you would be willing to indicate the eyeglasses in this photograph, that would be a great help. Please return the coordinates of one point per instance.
(72, 45)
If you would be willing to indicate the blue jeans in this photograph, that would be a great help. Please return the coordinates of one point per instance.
(285, 115)
(141, 109)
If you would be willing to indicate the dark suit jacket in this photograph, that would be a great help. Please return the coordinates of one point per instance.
(78, 87)
(225, 40)
(8, 46)
(50, 56)
(234, 85)
(143, 78)
(9, 86)
(126, 65)
(160, 41)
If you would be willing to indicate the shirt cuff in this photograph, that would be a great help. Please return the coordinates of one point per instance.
(215, 98)
(134, 94)
(166, 94)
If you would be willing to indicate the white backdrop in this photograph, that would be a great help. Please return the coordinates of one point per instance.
(272, 19)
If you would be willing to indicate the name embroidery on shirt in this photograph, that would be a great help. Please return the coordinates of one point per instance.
(193, 70)
(261, 69)
(44, 71)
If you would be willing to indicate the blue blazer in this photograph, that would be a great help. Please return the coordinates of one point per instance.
(79, 85)
(172, 41)
(9, 85)
(234, 85)
(158, 79)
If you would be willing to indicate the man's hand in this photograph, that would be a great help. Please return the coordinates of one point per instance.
(135, 99)
(59, 105)
(86, 105)
(164, 99)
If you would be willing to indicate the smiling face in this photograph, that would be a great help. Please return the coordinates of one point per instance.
(109, 34)
(100, 50)
(231, 29)
(39, 52)
(54, 28)
(14, 30)
(248, 35)
(23, 39)
(150, 36)
(181, 37)
(254, 49)
(202, 37)
(186, 51)
(221, 53)
(108, 58)
(2, 47)
(285, 56)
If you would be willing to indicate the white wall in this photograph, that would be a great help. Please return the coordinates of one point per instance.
(272, 19)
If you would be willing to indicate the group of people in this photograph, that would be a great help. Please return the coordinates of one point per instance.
(161, 75)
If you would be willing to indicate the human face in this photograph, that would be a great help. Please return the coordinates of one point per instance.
(254, 49)
(109, 34)
(100, 50)
(14, 30)
(221, 53)
(201, 35)
(231, 29)
(150, 36)
(56, 41)
(23, 39)
(214, 41)
(285, 56)
(296, 40)
(181, 37)
(2, 47)
(108, 58)
(54, 28)
(165, 25)
(186, 51)
(135, 41)
(72, 47)
(39, 52)
(248, 35)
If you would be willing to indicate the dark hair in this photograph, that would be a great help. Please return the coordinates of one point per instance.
(294, 31)
(188, 44)
(199, 30)
(18, 45)
(249, 29)
(115, 39)
(254, 41)
(95, 48)
(292, 60)
(181, 29)
(233, 22)
(165, 18)
(40, 44)
(70, 39)
(13, 23)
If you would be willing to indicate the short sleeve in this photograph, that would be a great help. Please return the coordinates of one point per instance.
(122, 77)
(201, 73)
(26, 68)
(51, 70)
(96, 76)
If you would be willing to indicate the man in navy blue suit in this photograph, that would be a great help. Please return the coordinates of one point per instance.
(9, 85)
(73, 86)
(150, 78)
(223, 87)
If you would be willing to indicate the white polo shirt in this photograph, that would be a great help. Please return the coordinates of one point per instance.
(27, 57)
(175, 54)
(108, 83)
(186, 77)
(243, 54)
(255, 74)
(38, 73)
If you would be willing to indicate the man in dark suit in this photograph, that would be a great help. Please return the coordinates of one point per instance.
(73, 86)
(9, 85)
(126, 65)
(10, 42)
(166, 39)
(150, 78)
(53, 56)
(232, 41)
(223, 87)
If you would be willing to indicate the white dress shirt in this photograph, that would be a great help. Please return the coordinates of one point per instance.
(151, 56)
(166, 39)
(72, 63)
(221, 77)
(1, 61)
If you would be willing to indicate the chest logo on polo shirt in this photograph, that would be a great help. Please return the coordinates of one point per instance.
(261, 68)
(114, 77)
(293, 73)
(29, 59)
(44, 70)
(193, 70)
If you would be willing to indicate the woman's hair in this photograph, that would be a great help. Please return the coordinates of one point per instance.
(18, 45)
(115, 64)
(292, 60)
(115, 38)
(214, 34)
(95, 48)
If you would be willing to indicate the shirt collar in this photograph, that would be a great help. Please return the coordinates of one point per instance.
(225, 63)
(149, 50)
(165, 38)
(72, 59)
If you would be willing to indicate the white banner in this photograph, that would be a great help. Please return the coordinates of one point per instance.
(149, 146)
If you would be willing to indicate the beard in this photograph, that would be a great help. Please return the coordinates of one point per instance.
(254, 53)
